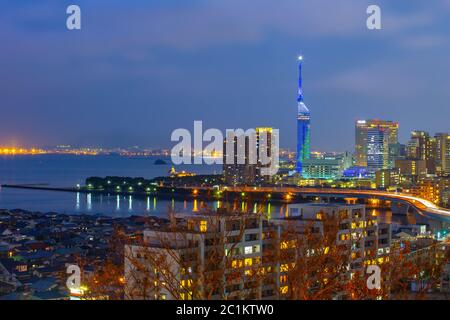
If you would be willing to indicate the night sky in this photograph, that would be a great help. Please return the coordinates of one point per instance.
(139, 69)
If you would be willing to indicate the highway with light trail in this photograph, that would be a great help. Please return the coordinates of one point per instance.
(422, 206)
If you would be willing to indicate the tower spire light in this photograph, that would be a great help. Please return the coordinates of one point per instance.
(300, 89)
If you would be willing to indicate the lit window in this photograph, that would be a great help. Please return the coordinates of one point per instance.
(284, 267)
(236, 264)
(203, 226)
(287, 244)
(345, 236)
(186, 283)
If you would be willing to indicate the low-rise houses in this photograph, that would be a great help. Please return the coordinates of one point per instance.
(213, 255)
(36, 248)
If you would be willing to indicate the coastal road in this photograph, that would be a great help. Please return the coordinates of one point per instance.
(422, 206)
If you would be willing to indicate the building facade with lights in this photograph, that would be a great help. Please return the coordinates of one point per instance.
(411, 170)
(368, 241)
(387, 178)
(321, 169)
(442, 153)
(254, 255)
(373, 140)
(188, 250)
(422, 146)
(239, 170)
(246, 155)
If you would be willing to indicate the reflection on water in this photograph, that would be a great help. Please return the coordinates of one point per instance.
(195, 207)
(127, 205)
(91, 203)
(77, 205)
(68, 170)
(120, 205)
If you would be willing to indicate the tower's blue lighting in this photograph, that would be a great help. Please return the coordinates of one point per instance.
(303, 124)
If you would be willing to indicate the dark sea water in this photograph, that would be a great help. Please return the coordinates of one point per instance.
(69, 170)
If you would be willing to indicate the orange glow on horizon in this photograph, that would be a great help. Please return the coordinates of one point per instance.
(20, 151)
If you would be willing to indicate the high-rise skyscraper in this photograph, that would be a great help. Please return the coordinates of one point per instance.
(442, 152)
(303, 124)
(373, 139)
(265, 149)
(422, 147)
(377, 149)
(246, 168)
(239, 170)
(397, 151)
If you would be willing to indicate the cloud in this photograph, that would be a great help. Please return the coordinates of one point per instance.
(202, 24)
(206, 24)
(389, 81)
(426, 41)
(398, 22)
(162, 58)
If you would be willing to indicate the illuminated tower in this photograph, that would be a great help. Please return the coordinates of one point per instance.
(303, 124)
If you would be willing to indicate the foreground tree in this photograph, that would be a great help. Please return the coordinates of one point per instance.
(196, 257)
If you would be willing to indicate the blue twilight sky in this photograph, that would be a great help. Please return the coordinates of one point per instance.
(139, 69)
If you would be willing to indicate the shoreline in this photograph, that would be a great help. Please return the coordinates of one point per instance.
(48, 214)
(162, 192)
